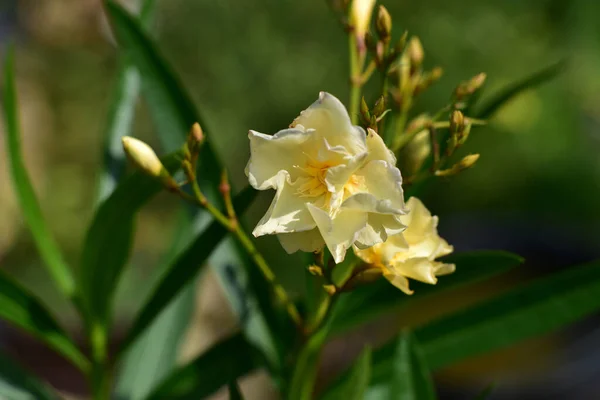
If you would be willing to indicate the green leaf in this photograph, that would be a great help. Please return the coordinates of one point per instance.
(183, 271)
(360, 374)
(121, 115)
(250, 297)
(108, 240)
(369, 302)
(533, 309)
(506, 94)
(174, 114)
(234, 392)
(154, 355)
(18, 384)
(410, 378)
(306, 367)
(23, 310)
(47, 247)
(223, 363)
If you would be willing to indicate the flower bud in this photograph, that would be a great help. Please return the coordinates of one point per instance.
(457, 122)
(364, 110)
(360, 17)
(384, 24)
(428, 79)
(465, 163)
(469, 87)
(197, 133)
(379, 107)
(315, 270)
(143, 157)
(468, 161)
(330, 289)
(415, 53)
(399, 47)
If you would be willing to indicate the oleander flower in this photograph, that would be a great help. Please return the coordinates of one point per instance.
(336, 185)
(412, 253)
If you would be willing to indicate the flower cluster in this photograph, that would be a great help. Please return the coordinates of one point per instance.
(338, 186)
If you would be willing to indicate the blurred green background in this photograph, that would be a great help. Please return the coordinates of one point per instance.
(256, 65)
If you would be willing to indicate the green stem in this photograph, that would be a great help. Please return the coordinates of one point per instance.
(398, 132)
(354, 78)
(261, 263)
(230, 223)
(99, 375)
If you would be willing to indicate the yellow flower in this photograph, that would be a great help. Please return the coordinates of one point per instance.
(412, 253)
(336, 185)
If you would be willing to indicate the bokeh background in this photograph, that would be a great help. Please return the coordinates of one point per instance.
(255, 65)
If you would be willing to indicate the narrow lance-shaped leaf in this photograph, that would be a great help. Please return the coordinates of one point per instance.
(223, 363)
(370, 302)
(18, 384)
(182, 271)
(154, 355)
(47, 247)
(360, 374)
(533, 309)
(120, 117)
(509, 92)
(306, 366)
(174, 113)
(108, 240)
(410, 378)
(23, 310)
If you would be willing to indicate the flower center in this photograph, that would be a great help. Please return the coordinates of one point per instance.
(314, 184)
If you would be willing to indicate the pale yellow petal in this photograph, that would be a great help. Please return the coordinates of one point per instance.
(340, 232)
(270, 155)
(309, 241)
(377, 150)
(380, 190)
(418, 220)
(399, 281)
(379, 227)
(444, 269)
(420, 269)
(287, 213)
(330, 120)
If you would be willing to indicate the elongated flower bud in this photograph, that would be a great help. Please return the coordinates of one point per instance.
(384, 24)
(360, 18)
(147, 161)
(142, 156)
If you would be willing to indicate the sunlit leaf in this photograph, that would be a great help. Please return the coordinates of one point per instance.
(18, 384)
(223, 363)
(22, 309)
(509, 92)
(47, 247)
